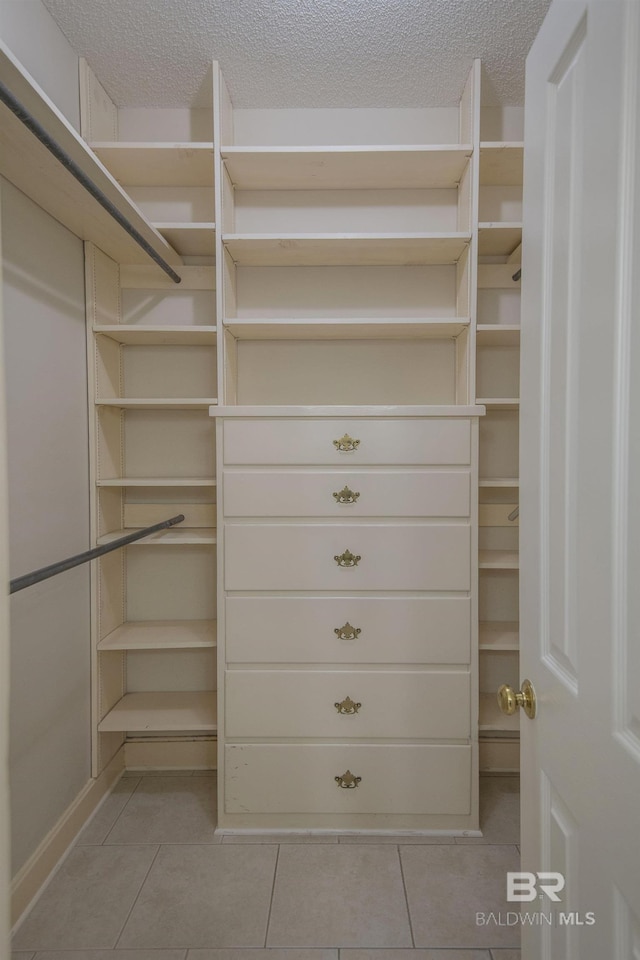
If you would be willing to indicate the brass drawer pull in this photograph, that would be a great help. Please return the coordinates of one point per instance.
(346, 496)
(347, 559)
(347, 781)
(347, 632)
(346, 444)
(347, 707)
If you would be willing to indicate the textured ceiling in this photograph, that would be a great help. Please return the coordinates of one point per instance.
(303, 53)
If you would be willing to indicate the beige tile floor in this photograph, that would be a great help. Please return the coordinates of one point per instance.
(148, 879)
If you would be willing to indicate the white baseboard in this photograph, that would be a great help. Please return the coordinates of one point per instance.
(31, 877)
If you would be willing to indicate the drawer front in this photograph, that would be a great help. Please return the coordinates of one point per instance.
(428, 441)
(302, 557)
(296, 493)
(395, 778)
(287, 704)
(348, 629)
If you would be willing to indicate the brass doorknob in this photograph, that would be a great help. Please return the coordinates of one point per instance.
(509, 699)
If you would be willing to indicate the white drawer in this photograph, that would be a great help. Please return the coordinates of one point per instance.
(395, 778)
(301, 557)
(425, 441)
(358, 493)
(288, 704)
(348, 629)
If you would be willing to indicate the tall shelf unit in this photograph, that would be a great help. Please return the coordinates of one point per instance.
(347, 271)
(152, 348)
(497, 387)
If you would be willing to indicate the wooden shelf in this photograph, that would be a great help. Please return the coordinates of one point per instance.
(491, 718)
(158, 164)
(157, 482)
(173, 536)
(161, 635)
(498, 635)
(160, 403)
(494, 276)
(499, 482)
(139, 334)
(501, 164)
(346, 168)
(345, 329)
(500, 403)
(164, 711)
(498, 239)
(190, 239)
(345, 249)
(498, 560)
(141, 277)
(27, 163)
(498, 335)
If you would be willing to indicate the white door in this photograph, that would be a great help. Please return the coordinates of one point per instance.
(580, 490)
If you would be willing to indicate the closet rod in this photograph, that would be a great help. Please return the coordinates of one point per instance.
(45, 572)
(63, 157)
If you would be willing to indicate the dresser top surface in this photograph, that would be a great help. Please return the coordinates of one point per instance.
(457, 410)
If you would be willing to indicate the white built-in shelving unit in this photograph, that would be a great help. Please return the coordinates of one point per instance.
(497, 387)
(153, 377)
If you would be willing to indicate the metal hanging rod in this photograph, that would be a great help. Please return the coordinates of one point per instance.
(45, 572)
(514, 514)
(63, 157)
(517, 275)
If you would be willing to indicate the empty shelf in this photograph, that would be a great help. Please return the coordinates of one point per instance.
(158, 403)
(190, 239)
(141, 277)
(344, 329)
(340, 168)
(161, 635)
(174, 536)
(345, 249)
(501, 164)
(499, 482)
(164, 711)
(498, 239)
(498, 559)
(158, 164)
(500, 403)
(157, 482)
(29, 165)
(499, 635)
(140, 334)
(498, 335)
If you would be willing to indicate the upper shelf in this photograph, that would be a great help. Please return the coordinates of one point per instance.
(158, 334)
(158, 164)
(30, 166)
(352, 328)
(190, 239)
(345, 249)
(499, 239)
(345, 168)
(501, 164)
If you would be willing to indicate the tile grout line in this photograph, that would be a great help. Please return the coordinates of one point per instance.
(129, 798)
(137, 897)
(273, 887)
(406, 897)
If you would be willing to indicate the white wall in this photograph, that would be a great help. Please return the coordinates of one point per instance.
(33, 36)
(43, 299)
